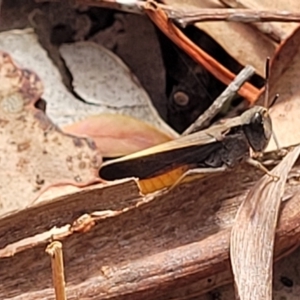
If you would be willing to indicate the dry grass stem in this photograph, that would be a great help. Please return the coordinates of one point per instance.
(57, 263)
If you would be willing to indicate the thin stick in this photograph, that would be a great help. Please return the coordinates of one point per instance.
(273, 32)
(183, 17)
(58, 277)
(210, 14)
(267, 71)
(244, 15)
(231, 90)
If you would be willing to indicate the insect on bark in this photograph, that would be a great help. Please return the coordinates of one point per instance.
(211, 150)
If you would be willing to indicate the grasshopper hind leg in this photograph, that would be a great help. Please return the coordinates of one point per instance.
(196, 173)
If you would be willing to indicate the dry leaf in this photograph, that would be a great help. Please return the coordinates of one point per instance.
(34, 152)
(101, 78)
(118, 135)
(284, 80)
(250, 46)
(130, 37)
(253, 234)
(62, 106)
(160, 18)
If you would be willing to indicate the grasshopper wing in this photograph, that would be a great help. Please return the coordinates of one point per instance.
(189, 150)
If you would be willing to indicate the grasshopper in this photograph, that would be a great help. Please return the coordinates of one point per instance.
(217, 148)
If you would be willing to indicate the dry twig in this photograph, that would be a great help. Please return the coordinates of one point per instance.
(58, 276)
(268, 29)
(239, 13)
(243, 15)
(231, 90)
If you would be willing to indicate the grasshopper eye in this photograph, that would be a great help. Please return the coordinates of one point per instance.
(257, 120)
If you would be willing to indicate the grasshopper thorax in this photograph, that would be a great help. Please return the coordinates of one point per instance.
(257, 126)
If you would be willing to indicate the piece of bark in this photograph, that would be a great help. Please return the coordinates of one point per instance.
(159, 246)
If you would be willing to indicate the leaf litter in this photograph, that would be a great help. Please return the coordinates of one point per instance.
(101, 78)
(126, 38)
(24, 105)
(118, 135)
(251, 46)
(133, 101)
(62, 106)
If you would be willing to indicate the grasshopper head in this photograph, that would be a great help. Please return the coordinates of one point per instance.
(257, 126)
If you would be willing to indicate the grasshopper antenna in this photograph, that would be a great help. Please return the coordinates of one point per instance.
(267, 98)
(267, 70)
(267, 87)
(274, 100)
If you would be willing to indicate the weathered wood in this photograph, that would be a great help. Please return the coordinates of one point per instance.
(160, 246)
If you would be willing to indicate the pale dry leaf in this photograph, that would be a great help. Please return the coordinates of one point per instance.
(101, 78)
(118, 135)
(253, 234)
(284, 80)
(34, 152)
(243, 42)
(62, 107)
(130, 37)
